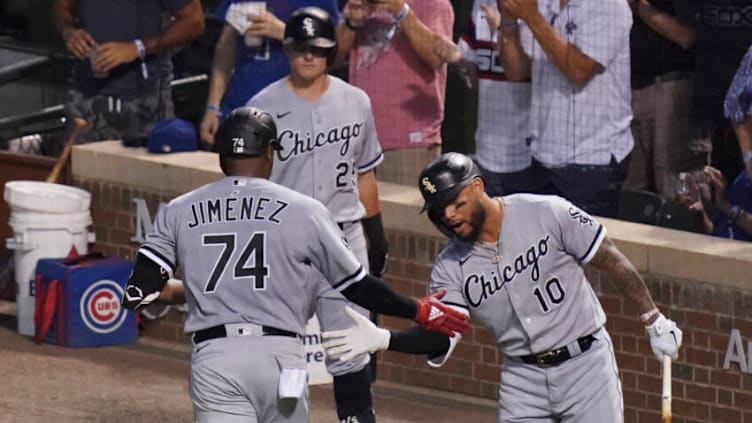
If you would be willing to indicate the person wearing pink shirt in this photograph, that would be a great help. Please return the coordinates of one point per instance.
(392, 56)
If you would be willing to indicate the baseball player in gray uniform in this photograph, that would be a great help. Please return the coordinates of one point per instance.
(328, 151)
(248, 249)
(515, 262)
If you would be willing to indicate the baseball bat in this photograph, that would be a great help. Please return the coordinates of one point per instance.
(75, 130)
(666, 395)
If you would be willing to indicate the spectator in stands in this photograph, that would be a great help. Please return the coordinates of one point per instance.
(731, 216)
(662, 64)
(724, 33)
(392, 56)
(581, 103)
(121, 83)
(502, 150)
(239, 71)
(738, 108)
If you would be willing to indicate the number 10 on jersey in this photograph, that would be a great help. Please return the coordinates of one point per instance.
(551, 294)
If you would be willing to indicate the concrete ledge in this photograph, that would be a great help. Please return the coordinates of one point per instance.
(109, 161)
(652, 249)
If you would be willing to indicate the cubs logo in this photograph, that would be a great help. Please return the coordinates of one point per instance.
(427, 185)
(100, 307)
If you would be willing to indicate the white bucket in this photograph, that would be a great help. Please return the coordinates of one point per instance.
(45, 197)
(42, 235)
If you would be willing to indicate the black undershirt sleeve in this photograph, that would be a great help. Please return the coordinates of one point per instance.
(418, 340)
(373, 294)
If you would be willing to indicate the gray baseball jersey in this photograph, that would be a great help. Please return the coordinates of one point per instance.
(529, 289)
(232, 240)
(325, 143)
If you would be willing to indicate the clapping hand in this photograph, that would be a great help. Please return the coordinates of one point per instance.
(524, 9)
(493, 17)
(718, 182)
(357, 11)
(392, 6)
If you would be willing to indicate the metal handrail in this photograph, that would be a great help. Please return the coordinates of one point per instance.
(57, 110)
(33, 117)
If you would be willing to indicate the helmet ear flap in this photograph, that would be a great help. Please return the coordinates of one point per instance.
(436, 219)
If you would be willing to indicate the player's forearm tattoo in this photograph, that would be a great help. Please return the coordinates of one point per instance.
(621, 272)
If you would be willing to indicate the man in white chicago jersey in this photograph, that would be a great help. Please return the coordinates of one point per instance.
(515, 262)
(248, 249)
(328, 151)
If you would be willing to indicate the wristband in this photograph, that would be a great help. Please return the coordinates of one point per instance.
(350, 26)
(141, 48)
(644, 317)
(214, 108)
(402, 14)
(508, 25)
(734, 213)
(373, 228)
(142, 54)
(748, 156)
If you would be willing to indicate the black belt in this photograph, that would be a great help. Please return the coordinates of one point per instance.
(557, 356)
(343, 224)
(220, 332)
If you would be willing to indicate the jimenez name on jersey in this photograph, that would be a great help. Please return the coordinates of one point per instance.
(234, 209)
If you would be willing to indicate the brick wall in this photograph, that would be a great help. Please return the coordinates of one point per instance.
(703, 390)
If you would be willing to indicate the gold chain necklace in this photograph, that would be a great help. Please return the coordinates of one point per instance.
(493, 247)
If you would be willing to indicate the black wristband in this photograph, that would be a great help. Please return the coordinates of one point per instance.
(350, 25)
(374, 231)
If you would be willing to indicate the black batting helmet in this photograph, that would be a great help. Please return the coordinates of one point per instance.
(311, 26)
(247, 131)
(441, 181)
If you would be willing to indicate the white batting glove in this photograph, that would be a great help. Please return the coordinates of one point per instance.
(364, 337)
(665, 337)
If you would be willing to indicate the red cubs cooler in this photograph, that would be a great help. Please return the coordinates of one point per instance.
(78, 301)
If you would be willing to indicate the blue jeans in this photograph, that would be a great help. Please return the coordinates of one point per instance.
(593, 188)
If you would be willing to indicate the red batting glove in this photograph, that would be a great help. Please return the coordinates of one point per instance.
(436, 316)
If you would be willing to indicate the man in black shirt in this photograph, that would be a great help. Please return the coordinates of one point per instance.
(120, 83)
(662, 63)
